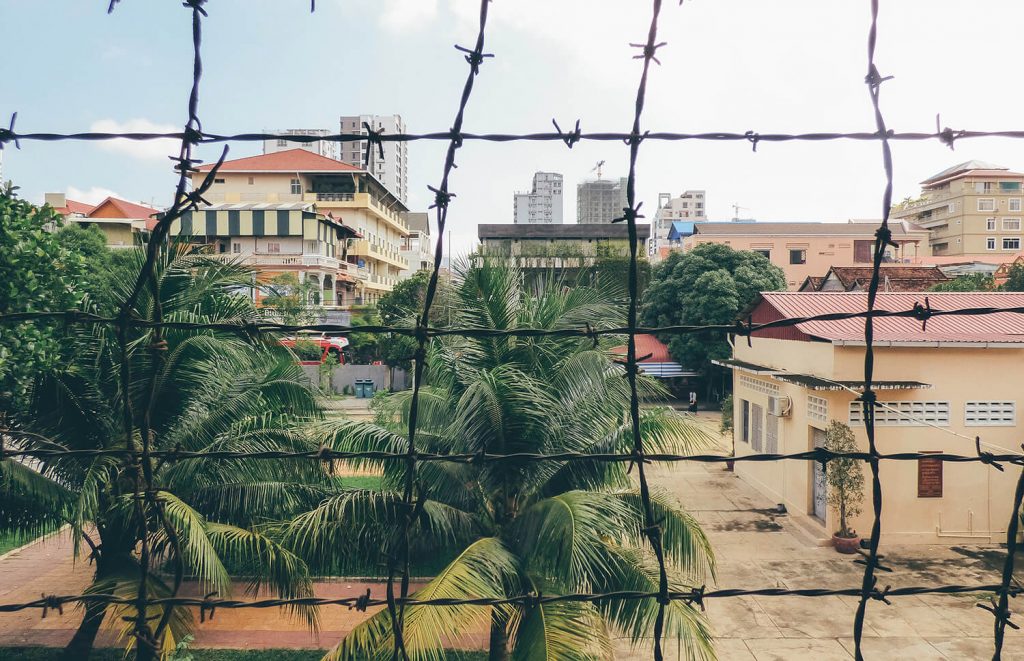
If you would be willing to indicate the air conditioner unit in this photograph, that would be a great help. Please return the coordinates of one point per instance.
(780, 407)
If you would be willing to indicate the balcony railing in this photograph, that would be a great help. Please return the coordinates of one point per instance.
(367, 199)
(377, 251)
(277, 259)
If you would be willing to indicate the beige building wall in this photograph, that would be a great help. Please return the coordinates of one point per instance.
(819, 252)
(971, 216)
(976, 499)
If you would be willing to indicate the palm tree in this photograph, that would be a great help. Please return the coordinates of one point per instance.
(211, 391)
(517, 527)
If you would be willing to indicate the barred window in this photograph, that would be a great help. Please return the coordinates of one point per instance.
(903, 414)
(756, 424)
(990, 414)
(817, 408)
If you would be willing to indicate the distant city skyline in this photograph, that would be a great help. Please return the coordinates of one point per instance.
(135, 55)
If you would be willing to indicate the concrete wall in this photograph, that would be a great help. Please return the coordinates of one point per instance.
(976, 499)
(345, 375)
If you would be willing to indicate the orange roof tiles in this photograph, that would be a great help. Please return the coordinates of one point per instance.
(73, 207)
(1002, 327)
(290, 160)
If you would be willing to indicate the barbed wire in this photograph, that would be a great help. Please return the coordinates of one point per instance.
(139, 455)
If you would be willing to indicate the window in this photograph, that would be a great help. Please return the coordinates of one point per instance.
(990, 243)
(1014, 204)
(771, 434)
(756, 422)
(797, 256)
(903, 414)
(1011, 243)
(1005, 186)
(296, 187)
(252, 180)
(273, 247)
(986, 204)
(282, 143)
(758, 385)
(990, 224)
(929, 477)
(236, 248)
(990, 414)
(951, 207)
(745, 421)
(817, 408)
(218, 181)
(767, 253)
(1011, 224)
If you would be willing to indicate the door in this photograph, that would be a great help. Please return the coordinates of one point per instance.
(818, 500)
(863, 252)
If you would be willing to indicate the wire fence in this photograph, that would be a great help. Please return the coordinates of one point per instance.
(148, 632)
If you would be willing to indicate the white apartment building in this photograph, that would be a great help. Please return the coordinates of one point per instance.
(393, 169)
(689, 206)
(417, 248)
(541, 206)
(600, 200)
(321, 147)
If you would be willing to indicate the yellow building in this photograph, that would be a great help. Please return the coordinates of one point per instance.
(352, 196)
(810, 249)
(972, 208)
(937, 389)
(123, 223)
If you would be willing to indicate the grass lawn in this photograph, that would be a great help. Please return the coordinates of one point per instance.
(48, 653)
(11, 541)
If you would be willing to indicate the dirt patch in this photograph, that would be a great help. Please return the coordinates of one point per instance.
(757, 525)
(991, 558)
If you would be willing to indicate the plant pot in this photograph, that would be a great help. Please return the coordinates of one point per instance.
(846, 544)
(730, 465)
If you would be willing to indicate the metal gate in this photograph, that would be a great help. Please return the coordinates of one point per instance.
(818, 500)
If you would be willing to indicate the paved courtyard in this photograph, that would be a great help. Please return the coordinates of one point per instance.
(754, 547)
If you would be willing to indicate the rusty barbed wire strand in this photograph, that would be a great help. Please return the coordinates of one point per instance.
(694, 596)
(883, 239)
(442, 197)
(740, 328)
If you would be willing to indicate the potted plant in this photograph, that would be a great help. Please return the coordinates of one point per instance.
(845, 480)
(727, 428)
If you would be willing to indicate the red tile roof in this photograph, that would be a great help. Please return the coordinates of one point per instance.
(73, 207)
(290, 160)
(126, 209)
(648, 344)
(1005, 327)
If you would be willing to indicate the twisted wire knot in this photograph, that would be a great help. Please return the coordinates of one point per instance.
(923, 313)
(195, 5)
(361, 603)
(441, 198)
(697, 597)
(52, 601)
(8, 135)
(373, 137)
(753, 137)
(875, 79)
(474, 57)
(207, 605)
(986, 457)
(630, 214)
(649, 51)
(570, 138)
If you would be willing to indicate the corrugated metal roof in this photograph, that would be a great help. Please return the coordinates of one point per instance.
(289, 160)
(1005, 327)
(900, 229)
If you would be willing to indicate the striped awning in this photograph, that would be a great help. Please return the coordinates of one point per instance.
(283, 219)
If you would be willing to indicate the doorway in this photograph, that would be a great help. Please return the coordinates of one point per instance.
(818, 487)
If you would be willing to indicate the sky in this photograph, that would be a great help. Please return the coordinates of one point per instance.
(730, 65)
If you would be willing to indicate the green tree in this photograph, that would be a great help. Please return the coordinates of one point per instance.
(203, 391)
(103, 268)
(845, 477)
(37, 274)
(1015, 278)
(518, 527)
(969, 282)
(710, 284)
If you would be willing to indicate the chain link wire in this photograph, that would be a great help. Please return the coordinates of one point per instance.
(138, 451)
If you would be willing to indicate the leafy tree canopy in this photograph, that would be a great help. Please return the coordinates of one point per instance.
(37, 273)
(970, 282)
(1015, 279)
(710, 284)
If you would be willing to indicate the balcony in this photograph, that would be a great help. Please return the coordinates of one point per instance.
(380, 282)
(278, 259)
(367, 248)
(360, 201)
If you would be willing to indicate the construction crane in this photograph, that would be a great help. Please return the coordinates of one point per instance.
(598, 169)
(736, 211)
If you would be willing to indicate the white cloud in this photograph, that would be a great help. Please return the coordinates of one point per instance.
(403, 15)
(147, 150)
(93, 195)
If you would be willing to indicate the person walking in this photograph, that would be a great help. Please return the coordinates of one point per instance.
(693, 403)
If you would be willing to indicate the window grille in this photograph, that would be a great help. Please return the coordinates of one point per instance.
(990, 414)
(757, 385)
(817, 408)
(903, 414)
